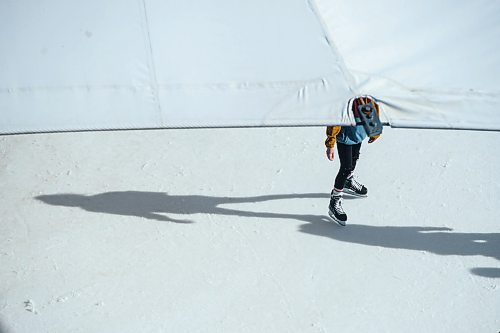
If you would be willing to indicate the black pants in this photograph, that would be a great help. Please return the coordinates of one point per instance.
(348, 155)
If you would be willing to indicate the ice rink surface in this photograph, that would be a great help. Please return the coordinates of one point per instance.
(226, 230)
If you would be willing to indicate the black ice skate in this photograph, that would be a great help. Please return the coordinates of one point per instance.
(352, 187)
(335, 210)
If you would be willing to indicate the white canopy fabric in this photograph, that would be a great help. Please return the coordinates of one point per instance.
(125, 64)
(434, 64)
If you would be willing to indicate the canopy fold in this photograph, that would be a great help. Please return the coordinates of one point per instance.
(135, 64)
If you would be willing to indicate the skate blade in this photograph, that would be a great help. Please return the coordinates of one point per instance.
(330, 213)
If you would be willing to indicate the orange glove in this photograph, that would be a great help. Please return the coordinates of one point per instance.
(373, 138)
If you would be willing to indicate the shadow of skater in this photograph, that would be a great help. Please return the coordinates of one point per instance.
(151, 205)
(436, 240)
(2, 328)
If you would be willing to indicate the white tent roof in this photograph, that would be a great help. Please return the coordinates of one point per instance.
(434, 64)
(159, 64)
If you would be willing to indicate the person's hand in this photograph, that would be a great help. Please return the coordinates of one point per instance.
(330, 153)
(373, 138)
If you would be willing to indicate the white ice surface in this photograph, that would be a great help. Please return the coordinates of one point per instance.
(226, 231)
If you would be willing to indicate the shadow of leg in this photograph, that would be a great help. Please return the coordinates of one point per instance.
(489, 272)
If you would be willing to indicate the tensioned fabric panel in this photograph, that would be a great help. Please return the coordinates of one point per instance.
(69, 65)
(124, 64)
(434, 64)
(157, 64)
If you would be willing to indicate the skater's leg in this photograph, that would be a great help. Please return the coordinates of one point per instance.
(345, 153)
(352, 186)
(355, 155)
(336, 211)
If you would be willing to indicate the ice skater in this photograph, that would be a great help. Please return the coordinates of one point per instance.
(349, 139)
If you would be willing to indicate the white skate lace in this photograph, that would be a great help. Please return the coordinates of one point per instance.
(337, 206)
(355, 185)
